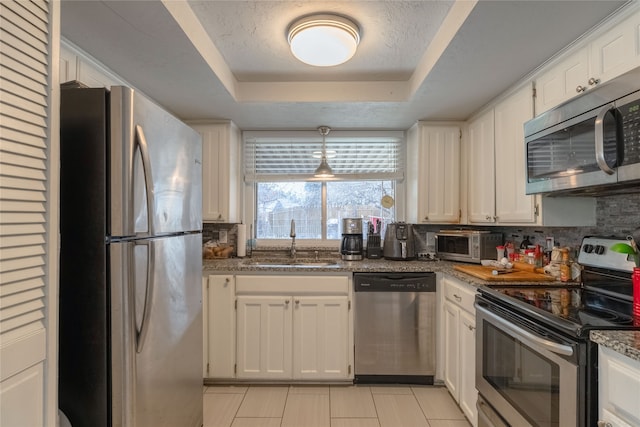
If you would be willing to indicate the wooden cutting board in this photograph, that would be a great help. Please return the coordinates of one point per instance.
(485, 273)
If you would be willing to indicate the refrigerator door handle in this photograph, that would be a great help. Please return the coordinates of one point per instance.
(141, 334)
(141, 142)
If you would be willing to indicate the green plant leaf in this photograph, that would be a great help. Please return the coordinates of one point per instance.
(623, 248)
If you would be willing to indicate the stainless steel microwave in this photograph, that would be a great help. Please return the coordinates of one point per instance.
(588, 145)
(467, 245)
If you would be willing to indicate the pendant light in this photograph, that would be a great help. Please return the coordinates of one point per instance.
(324, 171)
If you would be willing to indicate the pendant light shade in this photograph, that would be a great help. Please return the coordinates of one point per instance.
(323, 40)
(324, 170)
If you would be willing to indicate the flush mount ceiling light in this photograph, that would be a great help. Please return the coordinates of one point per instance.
(324, 171)
(323, 40)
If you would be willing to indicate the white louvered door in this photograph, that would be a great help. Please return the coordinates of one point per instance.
(25, 220)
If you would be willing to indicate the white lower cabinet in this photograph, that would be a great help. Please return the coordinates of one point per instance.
(618, 389)
(279, 327)
(220, 326)
(468, 392)
(264, 337)
(293, 337)
(459, 341)
(320, 337)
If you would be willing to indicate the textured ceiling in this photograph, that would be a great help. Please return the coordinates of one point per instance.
(418, 60)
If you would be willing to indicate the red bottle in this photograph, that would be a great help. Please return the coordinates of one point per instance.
(635, 277)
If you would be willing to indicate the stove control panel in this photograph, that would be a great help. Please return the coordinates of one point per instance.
(596, 252)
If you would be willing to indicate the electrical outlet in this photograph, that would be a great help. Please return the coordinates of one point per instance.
(549, 242)
(222, 236)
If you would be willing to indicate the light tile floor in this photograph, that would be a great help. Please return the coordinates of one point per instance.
(330, 406)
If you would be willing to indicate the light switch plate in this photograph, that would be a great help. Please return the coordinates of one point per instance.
(222, 236)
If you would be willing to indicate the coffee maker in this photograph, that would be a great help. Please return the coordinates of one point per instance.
(351, 246)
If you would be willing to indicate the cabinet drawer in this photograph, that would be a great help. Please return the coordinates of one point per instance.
(292, 285)
(459, 294)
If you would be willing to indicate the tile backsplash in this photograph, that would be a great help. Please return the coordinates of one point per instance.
(616, 216)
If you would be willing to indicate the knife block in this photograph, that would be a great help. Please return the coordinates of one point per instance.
(374, 251)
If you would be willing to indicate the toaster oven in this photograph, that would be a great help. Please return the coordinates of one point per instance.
(467, 245)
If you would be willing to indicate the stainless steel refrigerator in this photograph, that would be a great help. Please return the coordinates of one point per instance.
(130, 308)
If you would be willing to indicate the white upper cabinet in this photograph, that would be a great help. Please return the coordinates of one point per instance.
(433, 173)
(512, 204)
(563, 81)
(482, 174)
(220, 171)
(617, 50)
(612, 50)
(77, 65)
(496, 190)
(497, 172)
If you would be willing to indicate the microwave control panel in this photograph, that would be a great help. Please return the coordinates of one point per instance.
(631, 131)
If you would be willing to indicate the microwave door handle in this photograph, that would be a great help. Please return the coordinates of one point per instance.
(599, 134)
(527, 336)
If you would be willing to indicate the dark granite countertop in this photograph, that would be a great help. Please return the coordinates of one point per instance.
(623, 342)
(248, 265)
(366, 265)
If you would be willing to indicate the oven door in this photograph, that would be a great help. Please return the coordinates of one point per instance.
(528, 379)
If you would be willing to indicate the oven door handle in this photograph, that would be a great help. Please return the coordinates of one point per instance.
(527, 336)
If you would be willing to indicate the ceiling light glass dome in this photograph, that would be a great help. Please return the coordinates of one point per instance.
(323, 40)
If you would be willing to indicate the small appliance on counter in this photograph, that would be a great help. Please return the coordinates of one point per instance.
(351, 246)
(467, 245)
(374, 247)
(399, 243)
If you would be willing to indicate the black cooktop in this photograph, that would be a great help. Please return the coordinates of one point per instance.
(572, 309)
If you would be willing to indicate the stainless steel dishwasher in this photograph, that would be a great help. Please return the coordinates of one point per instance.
(395, 317)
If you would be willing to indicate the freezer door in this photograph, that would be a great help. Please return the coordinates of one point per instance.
(157, 332)
(155, 162)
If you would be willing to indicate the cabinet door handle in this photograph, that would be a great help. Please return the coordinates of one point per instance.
(604, 424)
(297, 301)
(426, 218)
(471, 328)
(580, 88)
(226, 281)
(286, 302)
(593, 81)
(457, 297)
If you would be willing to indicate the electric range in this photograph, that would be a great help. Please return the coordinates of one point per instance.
(534, 357)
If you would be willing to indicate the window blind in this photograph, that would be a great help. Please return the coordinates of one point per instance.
(24, 99)
(294, 156)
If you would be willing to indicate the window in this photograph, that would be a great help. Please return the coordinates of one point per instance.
(279, 170)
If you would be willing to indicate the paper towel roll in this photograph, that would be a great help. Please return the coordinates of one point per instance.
(242, 240)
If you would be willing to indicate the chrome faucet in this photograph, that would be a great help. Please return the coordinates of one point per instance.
(292, 234)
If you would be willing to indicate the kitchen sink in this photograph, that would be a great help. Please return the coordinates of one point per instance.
(298, 263)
